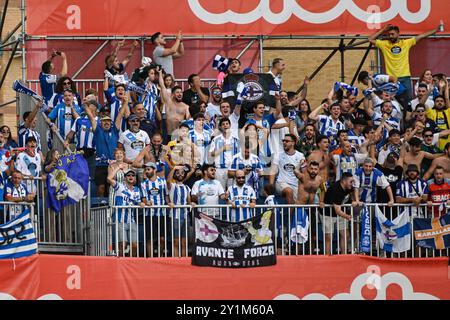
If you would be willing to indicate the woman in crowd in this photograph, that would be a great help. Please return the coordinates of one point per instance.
(119, 155)
(10, 143)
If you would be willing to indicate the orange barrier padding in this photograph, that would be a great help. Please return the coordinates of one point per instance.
(300, 277)
(222, 17)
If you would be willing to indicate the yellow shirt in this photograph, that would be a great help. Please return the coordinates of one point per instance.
(396, 56)
(442, 120)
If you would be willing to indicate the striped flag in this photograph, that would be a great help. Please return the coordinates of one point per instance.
(17, 238)
(393, 236)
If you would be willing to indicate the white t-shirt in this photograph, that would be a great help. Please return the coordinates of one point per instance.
(213, 110)
(396, 110)
(429, 104)
(277, 136)
(208, 193)
(286, 166)
(133, 143)
(30, 166)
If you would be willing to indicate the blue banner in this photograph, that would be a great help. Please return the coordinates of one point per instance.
(68, 182)
(366, 235)
(433, 233)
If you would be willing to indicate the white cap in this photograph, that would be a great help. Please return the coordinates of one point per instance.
(146, 61)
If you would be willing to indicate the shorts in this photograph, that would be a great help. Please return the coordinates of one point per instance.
(158, 227)
(179, 228)
(127, 232)
(330, 223)
(280, 186)
(101, 173)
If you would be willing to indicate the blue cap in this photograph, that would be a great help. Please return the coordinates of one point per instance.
(248, 71)
(251, 121)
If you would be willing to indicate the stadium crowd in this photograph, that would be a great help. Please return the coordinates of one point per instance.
(150, 143)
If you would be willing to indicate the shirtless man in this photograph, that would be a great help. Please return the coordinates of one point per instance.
(415, 155)
(322, 157)
(176, 109)
(308, 184)
(443, 161)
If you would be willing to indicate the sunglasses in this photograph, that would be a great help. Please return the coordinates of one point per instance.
(428, 136)
(5, 131)
(239, 178)
(66, 83)
(130, 175)
(216, 92)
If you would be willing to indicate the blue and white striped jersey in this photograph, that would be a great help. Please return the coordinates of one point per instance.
(64, 118)
(223, 160)
(24, 133)
(328, 127)
(59, 98)
(201, 141)
(179, 194)
(356, 140)
(409, 190)
(241, 195)
(347, 163)
(84, 133)
(126, 197)
(368, 184)
(48, 83)
(16, 192)
(156, 192)
(151, 101)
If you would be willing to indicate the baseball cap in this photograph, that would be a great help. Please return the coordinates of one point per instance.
(105, 118)
(132, 117)
(248, 71)
(150, 165)
(129, 171)
(29, 139)
(412, 167)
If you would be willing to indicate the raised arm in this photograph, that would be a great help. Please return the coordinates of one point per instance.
(314, 115)
(33, 114)
(174, 49)
(180, 51)
(130, 53)
(426, 34)
(373, 37)
(63, 71)
(165, 97)
(91, 117)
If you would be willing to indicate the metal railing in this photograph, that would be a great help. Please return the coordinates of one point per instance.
(154, 232)
(58, 232)
(83, 84)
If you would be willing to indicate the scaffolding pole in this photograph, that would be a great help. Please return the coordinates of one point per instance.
(2, 23)
(361, 64)
(90, 59)
(8, 65)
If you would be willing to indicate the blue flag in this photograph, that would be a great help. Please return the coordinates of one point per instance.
(17, 238)
(433, 233)
(366, 233)
(68, 183)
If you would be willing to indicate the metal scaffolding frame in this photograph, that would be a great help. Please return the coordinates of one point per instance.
(356, 42)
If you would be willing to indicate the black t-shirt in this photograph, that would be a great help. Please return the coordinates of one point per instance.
(336, 195)
(191, 97)
(392, 176)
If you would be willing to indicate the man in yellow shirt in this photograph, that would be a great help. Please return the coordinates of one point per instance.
(440, 114)
(396, 55)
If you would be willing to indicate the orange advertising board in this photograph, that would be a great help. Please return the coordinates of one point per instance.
(223, 17)
(301, 277)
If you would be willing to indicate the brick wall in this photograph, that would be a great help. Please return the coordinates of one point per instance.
(300, 63)
(8, 114)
